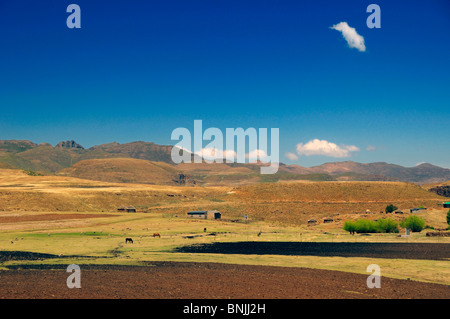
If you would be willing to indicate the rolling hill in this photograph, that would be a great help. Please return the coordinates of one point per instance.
(123, 170)
(70, 158)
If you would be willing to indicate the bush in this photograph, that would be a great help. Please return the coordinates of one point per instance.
(366, 226)
(448, 217)
(387, 226)
(350, 226)
(390, 208)
(415, 223)
(369, 226)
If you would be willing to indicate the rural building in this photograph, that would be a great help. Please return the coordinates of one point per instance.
(446, 205)
(205, 214)
(327, 220)
(417, 210)
(130, 209)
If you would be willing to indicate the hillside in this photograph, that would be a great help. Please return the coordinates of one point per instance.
(123, 170)
(422, 174)
(283, 202)
(442, 189)
(296, 202)
(46, 159)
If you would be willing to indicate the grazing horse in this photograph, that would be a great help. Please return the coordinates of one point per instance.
(156, 235)
(128, 240)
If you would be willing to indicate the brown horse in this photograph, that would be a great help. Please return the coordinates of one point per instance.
(156, 235)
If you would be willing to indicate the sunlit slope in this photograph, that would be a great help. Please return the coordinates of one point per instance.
(123, 170)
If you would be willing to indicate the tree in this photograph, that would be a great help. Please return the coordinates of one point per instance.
(390, 208)
(350, 226)
(415, 223)
(448, 218)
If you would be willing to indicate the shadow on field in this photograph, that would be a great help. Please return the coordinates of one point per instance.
(27, 255)
(428, 251)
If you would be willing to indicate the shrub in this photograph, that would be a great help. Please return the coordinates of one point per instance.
(387, 225)
(415, 223)
(369, 226)
(390, 208)
(350, 226)
(366, 226)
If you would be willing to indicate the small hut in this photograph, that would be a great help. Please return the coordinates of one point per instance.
(131, 209)
(204, 214)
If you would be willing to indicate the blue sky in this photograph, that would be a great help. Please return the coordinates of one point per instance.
(136, 70)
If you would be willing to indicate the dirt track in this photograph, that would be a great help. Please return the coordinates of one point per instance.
(169, 280)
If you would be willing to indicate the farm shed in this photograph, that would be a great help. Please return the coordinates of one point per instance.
(446, 205)
(205, 214)
(131, 209)
(417, 210)
(327, 220)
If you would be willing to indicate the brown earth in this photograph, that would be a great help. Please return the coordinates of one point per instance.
(16, 218)
(170, 280)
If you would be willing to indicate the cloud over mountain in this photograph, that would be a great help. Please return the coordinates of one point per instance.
(325, 148)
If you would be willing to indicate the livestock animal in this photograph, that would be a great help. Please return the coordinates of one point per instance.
(156, 235)
(128, 240)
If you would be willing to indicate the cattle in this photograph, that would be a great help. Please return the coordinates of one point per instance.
(128, 240)
(156, 235)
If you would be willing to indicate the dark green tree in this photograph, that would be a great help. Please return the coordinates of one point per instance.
(390, 208)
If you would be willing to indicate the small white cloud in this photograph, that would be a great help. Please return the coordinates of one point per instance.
(325, 148)
(420, 163)
(256, 155)
(213, 153)
(291, 156)
(371, 148)
(352, 37)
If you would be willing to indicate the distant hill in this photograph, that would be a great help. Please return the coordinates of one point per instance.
(46, 159)
(422, 174)
(123, 170)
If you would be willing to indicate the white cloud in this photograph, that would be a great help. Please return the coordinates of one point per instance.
(371, 148)
(325, 148)
(352, 37)
(291, 156)
(213, 153)
(420, 163)
(256, 155)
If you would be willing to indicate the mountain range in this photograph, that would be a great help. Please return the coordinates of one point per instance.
(147, 162)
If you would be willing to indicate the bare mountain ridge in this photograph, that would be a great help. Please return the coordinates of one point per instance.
(48, 159)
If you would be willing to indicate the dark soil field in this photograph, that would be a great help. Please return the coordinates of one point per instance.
(170, 280)
(428, 251)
